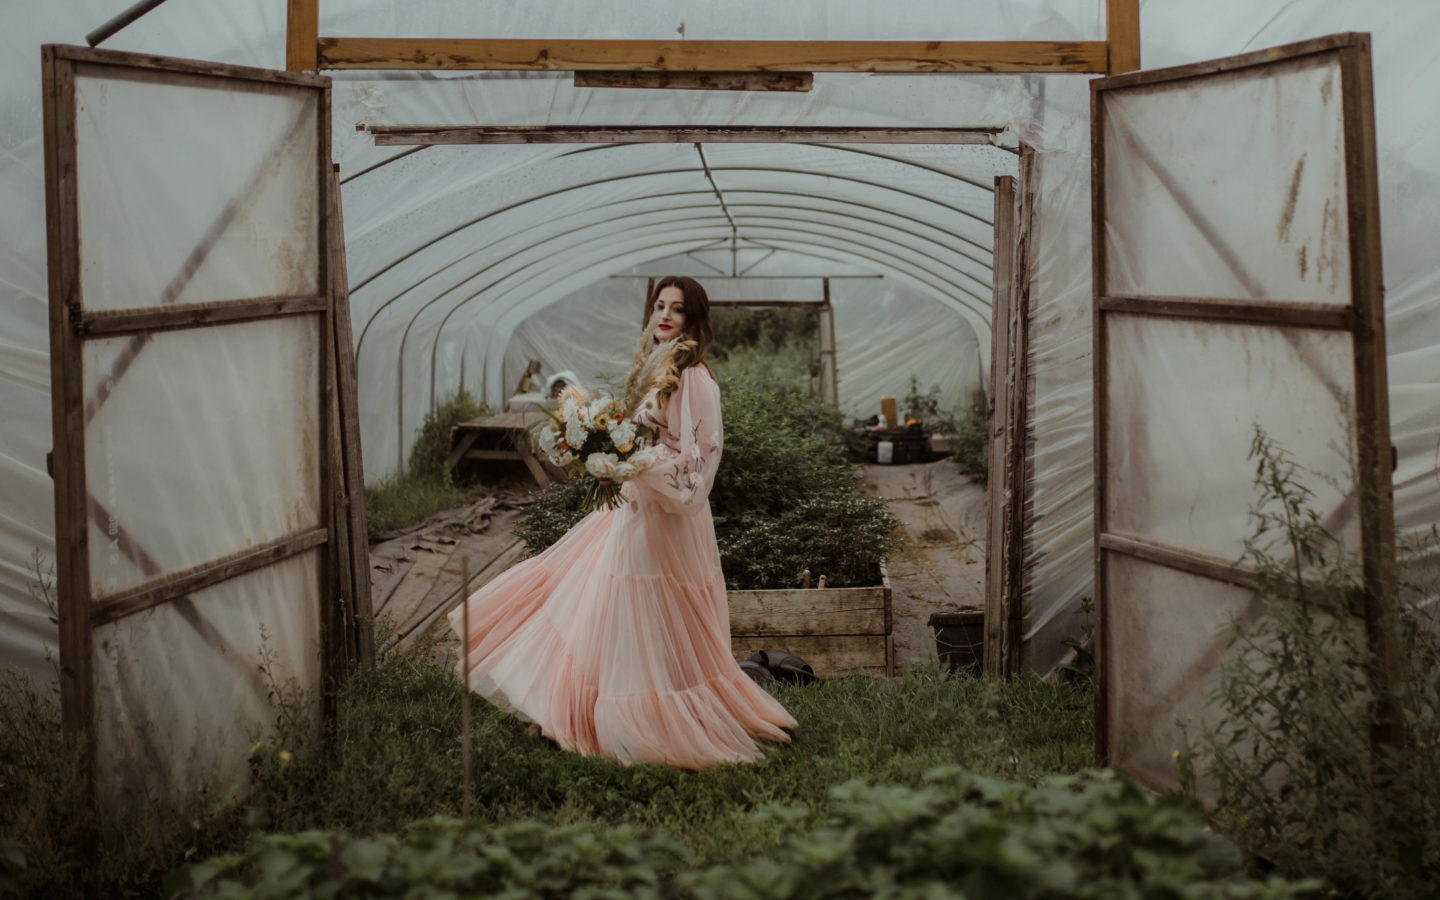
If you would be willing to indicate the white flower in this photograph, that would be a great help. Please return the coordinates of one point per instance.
(641, 460)
(575, 430)
(625, 470)
(598, 410)
(623, 434)
(602, 465)
(564, 459)
(549, 438)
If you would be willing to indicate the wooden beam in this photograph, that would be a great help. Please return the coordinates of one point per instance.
(182, 584)
(1211, 567)
(799, 82)
(1255, 312)
(193, 315)
(302, 35)
(425, 135)
(1122, 35)
(913, 57)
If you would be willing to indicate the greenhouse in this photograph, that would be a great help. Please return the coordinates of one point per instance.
(251, 248)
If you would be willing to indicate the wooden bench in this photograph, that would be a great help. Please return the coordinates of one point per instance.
(508, 436)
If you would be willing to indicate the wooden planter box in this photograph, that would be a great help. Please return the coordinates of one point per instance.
(838, 631)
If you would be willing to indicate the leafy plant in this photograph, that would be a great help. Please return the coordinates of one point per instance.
(432, 441)
(972, 439)
(425, 486)
(926, 408)
(1091, 835)
(439, 857)
(1290, 753)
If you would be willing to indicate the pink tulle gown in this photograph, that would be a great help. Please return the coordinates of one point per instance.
(616, 639)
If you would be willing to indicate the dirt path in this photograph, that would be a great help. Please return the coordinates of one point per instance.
(941, 566)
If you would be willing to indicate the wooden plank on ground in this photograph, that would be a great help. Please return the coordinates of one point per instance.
(830, 655)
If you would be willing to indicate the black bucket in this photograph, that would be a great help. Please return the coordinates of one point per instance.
(960, 640)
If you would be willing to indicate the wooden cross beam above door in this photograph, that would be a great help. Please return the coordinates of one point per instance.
(1119, 52)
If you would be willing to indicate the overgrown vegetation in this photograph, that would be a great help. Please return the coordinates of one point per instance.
(425, 486)
(784, 499)
(1091, 835)
(1290, 754)
(393, 757)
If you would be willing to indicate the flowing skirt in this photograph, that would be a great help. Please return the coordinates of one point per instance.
(616, 641)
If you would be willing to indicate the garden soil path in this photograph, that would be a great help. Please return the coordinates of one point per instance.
(941, 566)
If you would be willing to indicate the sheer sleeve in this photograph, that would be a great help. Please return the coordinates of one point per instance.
(688, 452)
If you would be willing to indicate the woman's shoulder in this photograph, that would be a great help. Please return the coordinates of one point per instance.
(699, 375)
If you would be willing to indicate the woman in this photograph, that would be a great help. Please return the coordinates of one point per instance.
(616, 639)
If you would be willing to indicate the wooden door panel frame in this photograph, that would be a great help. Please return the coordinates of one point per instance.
(82, 607)
(1362, 317)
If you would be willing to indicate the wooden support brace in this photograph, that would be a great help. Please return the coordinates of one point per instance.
(1122, 36)
(555, 55)
(302, 35)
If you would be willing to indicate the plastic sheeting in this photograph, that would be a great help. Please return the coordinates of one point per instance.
(399, 200)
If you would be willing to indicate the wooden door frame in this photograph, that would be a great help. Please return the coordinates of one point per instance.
(71, 325)
(1364, 319)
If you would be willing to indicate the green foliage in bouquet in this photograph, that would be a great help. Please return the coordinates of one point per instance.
(784, 499)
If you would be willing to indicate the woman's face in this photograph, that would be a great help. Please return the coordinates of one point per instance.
(668, 316)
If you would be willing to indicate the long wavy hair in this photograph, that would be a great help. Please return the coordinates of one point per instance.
(660, 364)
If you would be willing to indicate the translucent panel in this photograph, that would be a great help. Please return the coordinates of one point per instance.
(181, 690)
(1185, 398)
(206, 445)
(200, 191)
(1165, 641)
(1201, 201)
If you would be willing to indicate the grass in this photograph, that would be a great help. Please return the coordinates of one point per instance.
(399, 501)
(424, 487)
(393, 757)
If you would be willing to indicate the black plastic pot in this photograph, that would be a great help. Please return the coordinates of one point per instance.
(960, 640)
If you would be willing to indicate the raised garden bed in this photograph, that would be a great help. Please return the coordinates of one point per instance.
(838, 631)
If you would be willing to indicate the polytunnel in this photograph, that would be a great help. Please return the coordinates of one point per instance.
(466, 259)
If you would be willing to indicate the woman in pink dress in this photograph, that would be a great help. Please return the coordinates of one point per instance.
(616, 639)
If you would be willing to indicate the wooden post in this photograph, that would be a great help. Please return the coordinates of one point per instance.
(997, 613)
(302, 36)
(829, 376)
(1122, 35)
(1373, 460)
(356, 576)
(67, 399)
(465, 686)
(1018, 446)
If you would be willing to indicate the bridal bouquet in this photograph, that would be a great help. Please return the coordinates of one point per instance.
(595, 436)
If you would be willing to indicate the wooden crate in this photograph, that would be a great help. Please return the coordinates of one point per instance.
(838, 631)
